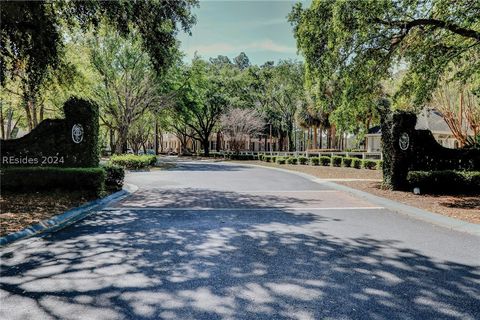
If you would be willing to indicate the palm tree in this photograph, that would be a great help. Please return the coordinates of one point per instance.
(308, 116)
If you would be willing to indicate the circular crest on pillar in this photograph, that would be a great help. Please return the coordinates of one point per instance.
(404, 141)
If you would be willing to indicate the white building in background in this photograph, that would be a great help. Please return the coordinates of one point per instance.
(428, 119)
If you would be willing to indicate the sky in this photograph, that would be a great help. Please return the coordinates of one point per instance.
(258, 28)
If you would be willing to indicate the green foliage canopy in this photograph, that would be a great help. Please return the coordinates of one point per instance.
(31, 31)
(351, 46)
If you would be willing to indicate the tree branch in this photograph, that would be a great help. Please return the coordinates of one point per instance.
(407, 25)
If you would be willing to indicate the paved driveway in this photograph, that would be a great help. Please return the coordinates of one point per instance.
(217, 241)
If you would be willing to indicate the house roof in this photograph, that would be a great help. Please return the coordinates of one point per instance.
(375, 130)
(431, 119)
(428, 119)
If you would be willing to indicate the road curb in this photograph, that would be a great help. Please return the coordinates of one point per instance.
(67, 218)
(416, 213)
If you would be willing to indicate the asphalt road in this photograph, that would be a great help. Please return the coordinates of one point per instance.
(216, 241)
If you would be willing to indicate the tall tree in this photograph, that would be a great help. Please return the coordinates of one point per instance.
(203, 101)
(129, 84)
(32, 39)
(242, 61)
(276, 92)
(460, 109)
(354, 45)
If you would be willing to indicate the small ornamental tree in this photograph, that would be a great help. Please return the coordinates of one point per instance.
(240, 124)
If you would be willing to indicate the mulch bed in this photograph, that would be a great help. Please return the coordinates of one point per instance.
(461, 206)
(465, 207)
(20, 210)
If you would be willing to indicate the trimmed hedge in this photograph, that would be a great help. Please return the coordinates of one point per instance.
(241, 157)
(336, 161)
(302, 160)
(314, 161)
(292, 160)
(131, 161)
(445, 181)
(356, 163)
(379, 165)
(347, 162)
(325, 161)
(90, 180)
(369, 164)
(114, 176)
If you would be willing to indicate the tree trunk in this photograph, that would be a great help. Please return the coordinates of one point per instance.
(333, 133)
(156, 137)
(309, 140)
(219, 141)
(329, 142)
(315, 137)
(122, 145)
(206, 148)
(29, 116)
(112, 141)
(280, 142)
(321, 133)
(2, 121)
(291, 141)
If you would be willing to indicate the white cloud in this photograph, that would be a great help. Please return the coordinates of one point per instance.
(227, 48)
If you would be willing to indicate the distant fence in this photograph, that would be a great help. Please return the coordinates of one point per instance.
(308, 154)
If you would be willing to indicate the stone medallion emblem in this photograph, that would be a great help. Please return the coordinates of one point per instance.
(77, 133)
(404, 141)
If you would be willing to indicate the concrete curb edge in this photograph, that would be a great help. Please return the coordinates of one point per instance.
(67, 218)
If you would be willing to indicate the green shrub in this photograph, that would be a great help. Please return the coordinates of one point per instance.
(379, 165)
(445, 181)
(267, 158)
(281, 160)
(21, 179)
(369, 164)
(261, 157)
(336, 161)
(114, 176)
(241, 156)
(347, 162)
(131, 161)
(315, 161)
(292, 160)
(325, 161)
(274, 158)
(302, 160)
(356, 163)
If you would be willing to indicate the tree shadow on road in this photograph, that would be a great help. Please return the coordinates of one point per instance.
(206, 198)
(270, 264)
